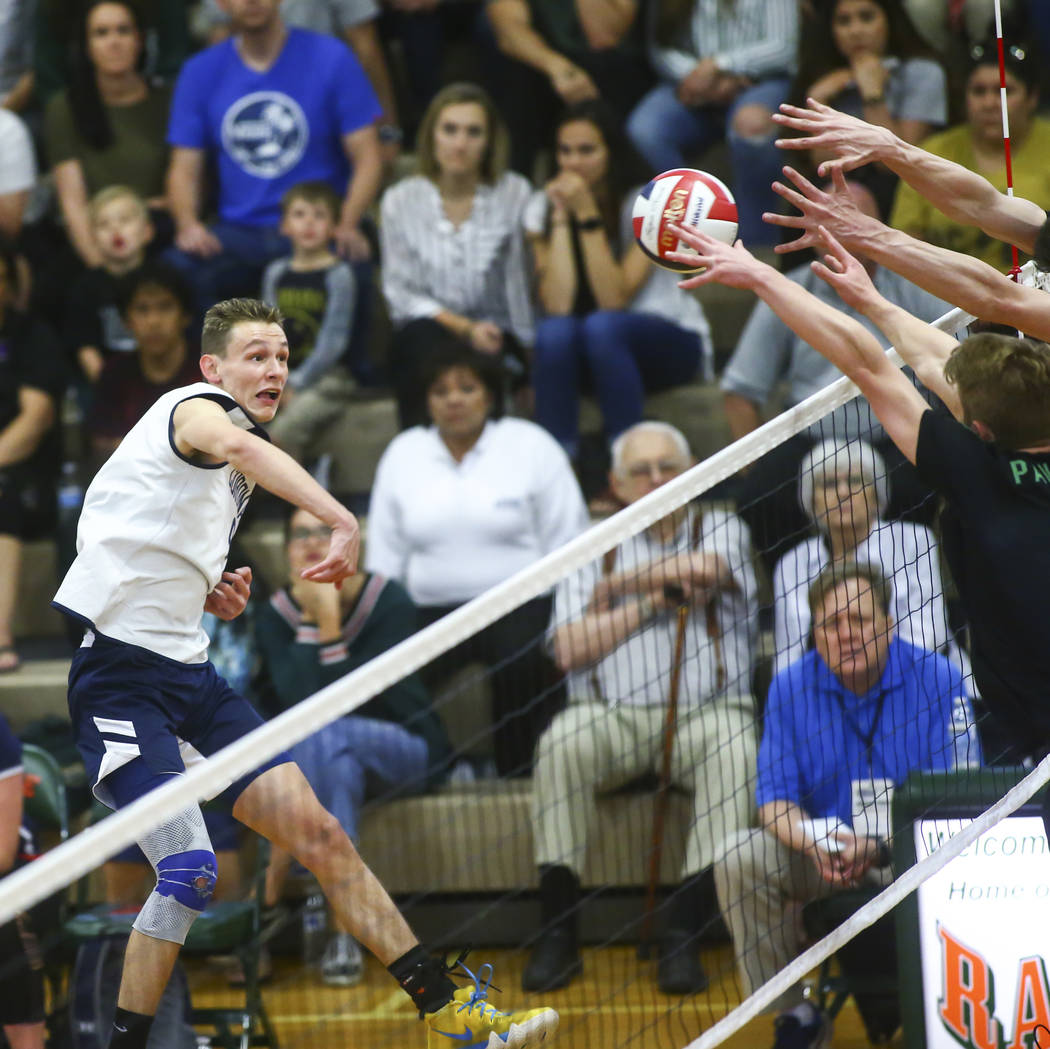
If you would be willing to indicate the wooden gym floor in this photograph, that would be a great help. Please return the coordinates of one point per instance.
(615, 1003)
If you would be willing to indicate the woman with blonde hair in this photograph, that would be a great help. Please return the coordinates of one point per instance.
(453, 251)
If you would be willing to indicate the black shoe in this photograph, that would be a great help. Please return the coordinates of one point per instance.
(679, 970)
(555, 962)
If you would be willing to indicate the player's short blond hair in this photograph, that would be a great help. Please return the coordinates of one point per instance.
(223, 317)
(111, 193)
(1004, 382)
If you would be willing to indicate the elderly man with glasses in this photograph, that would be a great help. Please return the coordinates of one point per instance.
(614, 634)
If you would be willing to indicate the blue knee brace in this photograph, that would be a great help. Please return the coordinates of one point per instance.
(189, 877)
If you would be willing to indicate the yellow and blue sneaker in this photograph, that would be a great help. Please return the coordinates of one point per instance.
(469, 1022)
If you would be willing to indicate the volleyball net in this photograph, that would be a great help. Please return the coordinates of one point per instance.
(673, 682)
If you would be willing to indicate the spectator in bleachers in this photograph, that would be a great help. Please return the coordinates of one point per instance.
(614, 633)
(58, 47)
(269, 107)
(843, 487)
(865, 58)
(315, 291)
(16, 55)
(121, 230)
(724, 69)
(843, 725)
(978, 146)
(453, 249)
(555, 54)
(462, 505)
(311, 634)
(355, 21)
(156, 305)
(31, 385)
(107, 127)
(17, 173)
(22, 1007)
(769, 354)
(614, 323)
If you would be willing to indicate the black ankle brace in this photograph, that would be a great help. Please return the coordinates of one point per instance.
(130, 1030)
(424, 979)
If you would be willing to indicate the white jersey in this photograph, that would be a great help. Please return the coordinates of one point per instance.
(154, 535)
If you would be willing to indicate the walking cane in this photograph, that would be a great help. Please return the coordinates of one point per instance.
(660, 807)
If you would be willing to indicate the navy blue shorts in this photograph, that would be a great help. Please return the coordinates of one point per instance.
(126, 703)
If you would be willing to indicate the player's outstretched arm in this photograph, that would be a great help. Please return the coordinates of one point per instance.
(960, 279)
(963, 195)
(841, 339)
(921, 345)
(202, 427)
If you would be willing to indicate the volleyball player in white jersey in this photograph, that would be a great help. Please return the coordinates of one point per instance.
(152, 542)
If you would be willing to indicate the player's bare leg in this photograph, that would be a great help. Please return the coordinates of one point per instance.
(282, 807)
(147, 968)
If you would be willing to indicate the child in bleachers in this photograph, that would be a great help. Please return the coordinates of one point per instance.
(122, 230)
(316, 292)
(156, 304)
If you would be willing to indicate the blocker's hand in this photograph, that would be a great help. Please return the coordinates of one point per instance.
(733, 266)
(854, 142)
(230, 596)
(844, 273)
(833, 208)
(341, 559)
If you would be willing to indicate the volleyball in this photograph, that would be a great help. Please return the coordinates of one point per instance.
(688, 197)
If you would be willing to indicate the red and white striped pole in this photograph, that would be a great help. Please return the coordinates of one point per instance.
(1015, 270)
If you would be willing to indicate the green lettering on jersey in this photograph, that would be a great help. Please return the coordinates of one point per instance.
(1019, 468)
(1042, 472)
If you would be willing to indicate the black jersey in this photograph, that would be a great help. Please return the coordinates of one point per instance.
(996, 538)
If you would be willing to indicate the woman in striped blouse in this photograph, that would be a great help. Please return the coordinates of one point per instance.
(453, 254)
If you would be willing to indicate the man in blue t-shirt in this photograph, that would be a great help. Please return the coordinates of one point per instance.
(843, 725)
(270, 107)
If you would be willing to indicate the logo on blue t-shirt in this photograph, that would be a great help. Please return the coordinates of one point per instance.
(265, 133)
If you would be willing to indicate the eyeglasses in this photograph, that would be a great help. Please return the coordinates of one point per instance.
(979, 51)
(854, 482)
(664, 466)
(302, 534)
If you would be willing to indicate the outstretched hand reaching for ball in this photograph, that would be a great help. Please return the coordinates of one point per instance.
(845, 274)
(731, 265)
(853, 141)
(833, 208)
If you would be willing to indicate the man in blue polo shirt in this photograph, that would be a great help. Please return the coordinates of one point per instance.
(271, 106)
(843, 725)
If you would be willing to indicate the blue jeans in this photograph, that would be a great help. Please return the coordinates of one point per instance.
(618, 355)
(666, 132)
(357, 757)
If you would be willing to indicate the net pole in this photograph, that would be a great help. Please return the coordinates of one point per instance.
(84, 852)
(873, 910)
(1015, 269)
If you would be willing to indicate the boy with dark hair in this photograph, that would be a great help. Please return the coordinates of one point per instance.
(156, 305)
(315, 290)
(991, 462)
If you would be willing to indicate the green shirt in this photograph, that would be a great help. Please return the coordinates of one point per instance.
(299, 665)
(915, 215)
(138, 155)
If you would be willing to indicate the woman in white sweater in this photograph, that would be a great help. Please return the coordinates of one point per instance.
(462, 505)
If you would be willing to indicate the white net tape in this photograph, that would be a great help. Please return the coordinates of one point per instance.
(70, 861)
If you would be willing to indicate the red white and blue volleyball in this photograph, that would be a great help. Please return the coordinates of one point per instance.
(687, 197)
